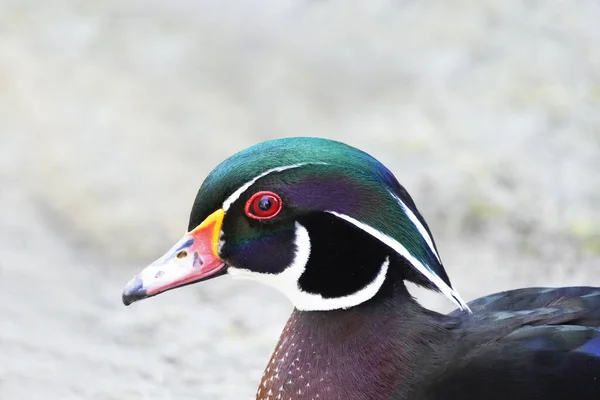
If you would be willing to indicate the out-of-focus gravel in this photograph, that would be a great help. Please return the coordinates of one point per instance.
(112, 112)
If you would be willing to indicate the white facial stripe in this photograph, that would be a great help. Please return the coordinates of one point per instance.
(400, 249)
(418, 225)
(236, 195)
(287, 281)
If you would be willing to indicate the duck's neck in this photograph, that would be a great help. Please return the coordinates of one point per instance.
(365, 352)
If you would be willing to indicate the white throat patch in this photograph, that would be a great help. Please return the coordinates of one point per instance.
(287, 281)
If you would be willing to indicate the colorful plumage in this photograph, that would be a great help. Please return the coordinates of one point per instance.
(330, 227)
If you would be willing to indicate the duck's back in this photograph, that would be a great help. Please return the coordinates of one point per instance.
(535, 343)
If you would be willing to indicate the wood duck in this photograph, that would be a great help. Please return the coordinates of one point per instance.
(331, 227)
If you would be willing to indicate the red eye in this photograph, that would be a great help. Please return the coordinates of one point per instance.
(263, 205)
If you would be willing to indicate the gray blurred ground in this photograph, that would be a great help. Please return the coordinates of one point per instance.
(112, 112)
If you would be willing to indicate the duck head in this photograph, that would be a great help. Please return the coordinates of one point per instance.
(323, 222)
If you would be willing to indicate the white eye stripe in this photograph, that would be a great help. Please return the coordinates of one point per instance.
(448, 291)
(287, 281)
(418, 225)
(236, 195)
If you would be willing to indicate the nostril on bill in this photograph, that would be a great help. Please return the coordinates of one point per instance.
(182, 254)
(159, 274)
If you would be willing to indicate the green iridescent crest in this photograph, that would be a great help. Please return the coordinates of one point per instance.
(330, 176)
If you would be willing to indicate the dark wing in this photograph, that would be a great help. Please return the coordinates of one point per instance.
(536, 343)
(533, 363)
(580, 305)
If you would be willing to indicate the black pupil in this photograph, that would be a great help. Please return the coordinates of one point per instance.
(265, 203)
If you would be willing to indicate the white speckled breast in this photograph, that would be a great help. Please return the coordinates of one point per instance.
(295, 370)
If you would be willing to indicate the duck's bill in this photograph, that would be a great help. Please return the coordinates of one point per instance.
(193, 259)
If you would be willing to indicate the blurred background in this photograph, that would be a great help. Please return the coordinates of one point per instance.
(112, 113)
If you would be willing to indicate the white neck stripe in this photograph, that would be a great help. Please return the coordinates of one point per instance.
(418, 225)
(236, 195)
(401, 250)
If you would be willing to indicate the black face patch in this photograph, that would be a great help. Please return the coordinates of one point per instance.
(343, 259)
(259, 246)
